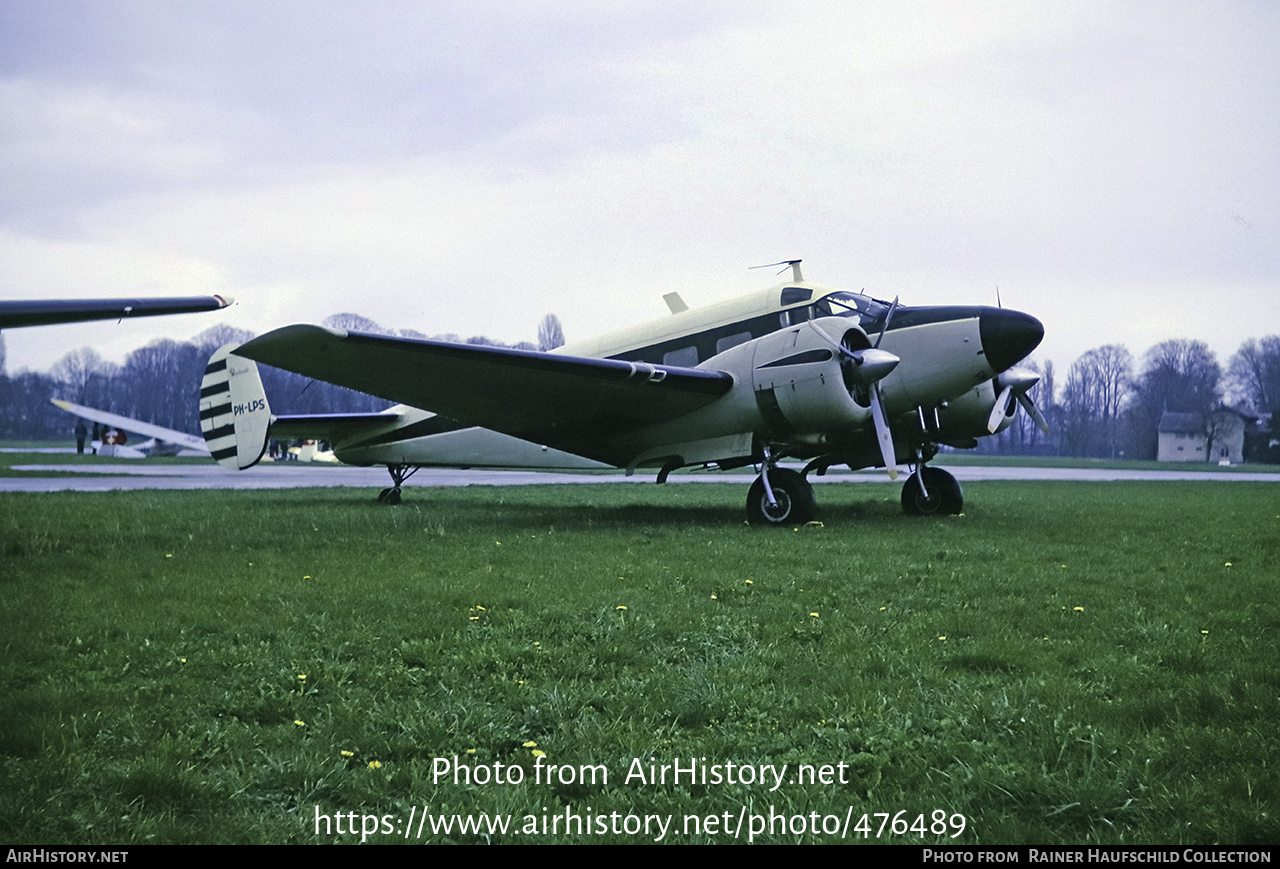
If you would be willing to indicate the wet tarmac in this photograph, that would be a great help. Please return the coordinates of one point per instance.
(116, 476)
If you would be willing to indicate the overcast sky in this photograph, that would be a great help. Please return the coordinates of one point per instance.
(469, 167)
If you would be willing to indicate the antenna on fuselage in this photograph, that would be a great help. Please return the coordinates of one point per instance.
(795, 268)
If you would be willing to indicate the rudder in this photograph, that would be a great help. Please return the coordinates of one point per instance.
(235, 418)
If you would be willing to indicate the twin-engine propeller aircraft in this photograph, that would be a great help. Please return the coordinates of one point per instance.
(799, 371)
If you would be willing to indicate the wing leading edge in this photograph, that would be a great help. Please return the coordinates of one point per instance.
(576, 404)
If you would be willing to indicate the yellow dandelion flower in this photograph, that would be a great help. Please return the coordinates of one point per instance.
(1228, 564)
(482, 609)
(306, 577)
(814, 615)
(535, 645)
(299, 723)
(713, 597)
(474, 619)
(531, 744)
(1204, 632)
(943, 637)
(620, 609)
(882, 609)
(375, 764)
(471, 751)
(346, 753)
(538, 752)
(183, 660)
(1078, 609)
(748, 582)
(169, 555)
(302, 676)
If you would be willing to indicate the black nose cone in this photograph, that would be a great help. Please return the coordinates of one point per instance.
(1008, 337)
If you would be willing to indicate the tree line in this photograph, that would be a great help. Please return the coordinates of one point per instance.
(160, 383)
(1111, 403)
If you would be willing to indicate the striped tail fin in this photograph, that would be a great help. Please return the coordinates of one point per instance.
(234, 415)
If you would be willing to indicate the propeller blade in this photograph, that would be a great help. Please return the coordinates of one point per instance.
(1034, 412)
(882, 433)
(1000, 411)
(887, 318)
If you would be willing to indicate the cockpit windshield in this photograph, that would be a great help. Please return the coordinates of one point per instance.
(845, 304)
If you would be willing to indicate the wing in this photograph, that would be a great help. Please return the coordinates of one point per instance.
(146, 429)
(53, 311)
(571, 403)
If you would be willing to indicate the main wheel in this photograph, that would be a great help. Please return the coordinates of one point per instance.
(942, 495)
(793, 497)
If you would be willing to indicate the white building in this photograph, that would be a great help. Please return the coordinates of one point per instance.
(1198, 437)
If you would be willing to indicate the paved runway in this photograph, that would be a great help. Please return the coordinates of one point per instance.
(117, 476)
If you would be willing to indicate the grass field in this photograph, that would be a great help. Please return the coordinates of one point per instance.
(1064, 663)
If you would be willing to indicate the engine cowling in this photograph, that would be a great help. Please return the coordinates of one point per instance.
(804, 384)
(965, 418)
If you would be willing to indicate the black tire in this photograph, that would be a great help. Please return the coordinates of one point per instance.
(795, 503)
(943, 495)
(389, 496)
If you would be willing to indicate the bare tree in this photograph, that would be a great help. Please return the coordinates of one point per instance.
(354, 323)
(1097, 385)
(76, 371)
(1181, 375)
(550, 333)
(216, 336)
(1254, 374)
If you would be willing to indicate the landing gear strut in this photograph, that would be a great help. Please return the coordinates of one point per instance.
(399, 473)
(780, 496)
(932, 492)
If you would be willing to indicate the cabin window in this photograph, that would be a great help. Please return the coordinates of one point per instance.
(685, 357)
(732, 341)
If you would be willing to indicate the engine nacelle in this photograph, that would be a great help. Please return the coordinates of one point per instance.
(966, 417)
(802, 385)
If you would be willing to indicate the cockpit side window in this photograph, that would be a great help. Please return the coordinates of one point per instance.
(795, 295)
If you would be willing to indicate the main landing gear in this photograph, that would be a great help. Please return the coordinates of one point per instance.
(780, 496)
(932, 492)
(399, 473)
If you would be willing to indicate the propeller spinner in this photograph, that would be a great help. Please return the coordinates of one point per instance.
(1014, 385)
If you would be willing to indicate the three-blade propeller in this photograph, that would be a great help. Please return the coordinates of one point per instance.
(1014, 385)
(867, 367)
